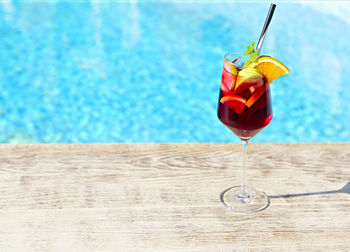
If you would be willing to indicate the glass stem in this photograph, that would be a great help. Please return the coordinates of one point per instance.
(244, 192)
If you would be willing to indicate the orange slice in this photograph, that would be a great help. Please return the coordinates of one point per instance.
(256, 95)
(234, 102)
(270, 67)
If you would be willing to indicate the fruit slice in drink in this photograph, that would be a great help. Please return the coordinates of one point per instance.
(245, 100)
(228, 79)
(246, 78)
(234, 102)
(256, 94)
(269, 67)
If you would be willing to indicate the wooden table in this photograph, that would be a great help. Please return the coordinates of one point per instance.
(165, 197)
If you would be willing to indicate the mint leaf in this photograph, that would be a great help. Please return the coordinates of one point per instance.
(255, 56)
(248, 51)
(252, 54)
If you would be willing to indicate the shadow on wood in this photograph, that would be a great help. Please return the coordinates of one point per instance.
(344, 189)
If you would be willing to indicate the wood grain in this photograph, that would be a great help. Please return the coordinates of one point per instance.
(165, 197)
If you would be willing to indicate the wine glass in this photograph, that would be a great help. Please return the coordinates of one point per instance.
(245, 108)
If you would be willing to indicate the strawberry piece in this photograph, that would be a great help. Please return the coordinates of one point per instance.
(234, 102)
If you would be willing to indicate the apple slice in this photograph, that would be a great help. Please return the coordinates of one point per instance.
(224, 88)
(256, 95)
(246, 78)
(234, 102)
(229, 76)
(230, 67)
(227, 82)
(253, 88)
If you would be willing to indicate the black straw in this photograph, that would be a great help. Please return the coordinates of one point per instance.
(264, 30)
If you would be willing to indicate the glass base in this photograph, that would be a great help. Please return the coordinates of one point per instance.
(251, 201)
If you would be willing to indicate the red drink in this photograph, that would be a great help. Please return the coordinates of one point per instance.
(246, 109)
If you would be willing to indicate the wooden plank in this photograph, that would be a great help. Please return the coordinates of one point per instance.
(165, 197)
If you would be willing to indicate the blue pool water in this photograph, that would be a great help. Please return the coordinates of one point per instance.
(150, 72)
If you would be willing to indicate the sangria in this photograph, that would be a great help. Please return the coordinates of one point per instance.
(245, 108)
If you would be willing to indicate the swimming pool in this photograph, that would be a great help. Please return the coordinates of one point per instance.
(150, 72)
